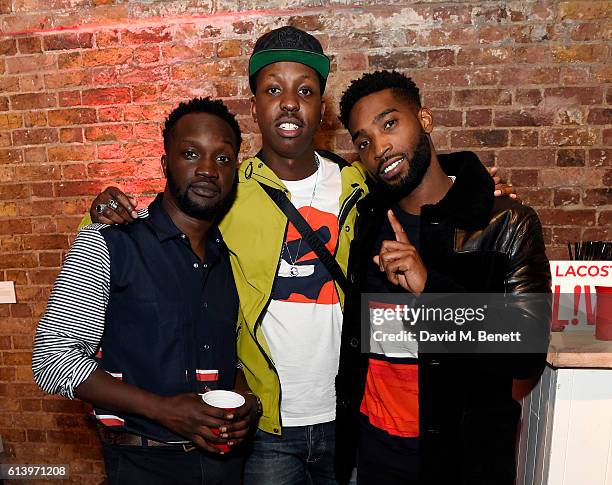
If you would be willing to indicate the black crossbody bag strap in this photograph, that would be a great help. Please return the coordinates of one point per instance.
(284, 204)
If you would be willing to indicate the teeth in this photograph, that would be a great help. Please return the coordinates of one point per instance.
(288, 126)
(392, 166)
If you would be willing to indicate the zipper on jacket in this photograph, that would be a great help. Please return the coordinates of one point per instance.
(348, 204)
(258, 324)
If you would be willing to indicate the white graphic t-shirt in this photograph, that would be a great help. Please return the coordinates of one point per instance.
(304, 321)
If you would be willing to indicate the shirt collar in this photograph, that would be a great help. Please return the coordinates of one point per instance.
(164, 228)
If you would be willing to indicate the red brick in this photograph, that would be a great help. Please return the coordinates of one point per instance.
(229, 48)
(110, 113)
(11, 121)
(479, 138)
(71, 189)
(455, 14)
(353, 61)
(33, 63)
(582, 95)
(475, 97)
(69, 60)
(34, 136)
(597, 197)
(522, 76)
(33, 101)
(571, 177)
(449, 35)
(153, 35)
(67, 117)
(536, 197)
(524, 177)
(107, 57)
(34, 155)
(570, 158)
(605, 218)
(112, 170)
(37, 172)
(146, 54)
(71, 153)
(43, 276)
(108, 133)
(35, 118)
(31, 83)
(523, 117)
(69, 98)
(447, 117)
(600, 116)
(584, 10)
(526, 158)
(29, 45)
(71, 135)
(529, 97)
(74, 171)
(106, 152)
(106, 96)
(580, 53)
(598, 157)
(67, 79)
(8, 47)
(564, 197)
(567, 217)
(20, 260)
(569, 136)
(202, 50)
(406, 59)
(50, 259)
(68, 41)
(588, 31)
(135, 75)
(42, 190)
(437, 99)
(107, 38)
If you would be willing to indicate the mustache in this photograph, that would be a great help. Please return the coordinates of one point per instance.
(386, 159)
(284, 118)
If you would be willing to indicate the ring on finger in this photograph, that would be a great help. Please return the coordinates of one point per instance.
(113, 204)
(100, 208)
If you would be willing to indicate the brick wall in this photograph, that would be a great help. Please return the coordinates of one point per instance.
(85, 84)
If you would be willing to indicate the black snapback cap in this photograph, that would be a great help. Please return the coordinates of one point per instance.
(288, 44)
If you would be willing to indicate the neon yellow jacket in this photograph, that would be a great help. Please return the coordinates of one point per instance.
(254, 231)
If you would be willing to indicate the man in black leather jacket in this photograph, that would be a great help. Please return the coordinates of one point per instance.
(428, 226)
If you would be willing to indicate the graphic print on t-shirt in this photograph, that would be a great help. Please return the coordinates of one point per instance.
(308, 281)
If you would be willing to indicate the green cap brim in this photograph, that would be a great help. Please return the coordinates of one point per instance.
(318, 62)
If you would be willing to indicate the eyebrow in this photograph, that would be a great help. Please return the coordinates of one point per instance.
(376, 119)
(193, 141)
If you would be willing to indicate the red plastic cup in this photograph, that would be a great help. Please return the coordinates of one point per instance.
(603, 316)
(227, 400)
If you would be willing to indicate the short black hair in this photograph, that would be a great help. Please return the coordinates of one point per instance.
(202, 105)
(402, 86)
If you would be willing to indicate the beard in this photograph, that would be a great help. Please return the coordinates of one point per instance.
(198, 210)
(417, 168)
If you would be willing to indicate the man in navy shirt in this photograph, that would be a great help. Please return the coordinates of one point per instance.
(157, 303)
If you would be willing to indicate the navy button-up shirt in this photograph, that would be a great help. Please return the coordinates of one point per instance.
(164, 319)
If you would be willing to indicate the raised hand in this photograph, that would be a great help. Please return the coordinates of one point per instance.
(401, 261)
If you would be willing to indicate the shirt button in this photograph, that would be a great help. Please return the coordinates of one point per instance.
(196, 265)
(205, 304)
(206, 347)
(205, 265)
(183, 236)
(217, 240)
(347, 228)
(354, 342)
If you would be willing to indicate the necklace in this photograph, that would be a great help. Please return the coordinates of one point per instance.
(293, 269)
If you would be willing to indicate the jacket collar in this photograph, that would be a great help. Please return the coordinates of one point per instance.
(164, 228)
(468, 203)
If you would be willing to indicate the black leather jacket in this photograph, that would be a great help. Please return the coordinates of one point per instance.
(470, 242)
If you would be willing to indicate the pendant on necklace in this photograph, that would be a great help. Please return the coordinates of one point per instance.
(293, 270)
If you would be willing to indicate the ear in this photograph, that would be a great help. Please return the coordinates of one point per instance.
(163, 163)
(426, 119)
(253, 109)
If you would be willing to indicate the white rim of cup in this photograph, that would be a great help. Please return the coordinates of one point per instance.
(223, 399)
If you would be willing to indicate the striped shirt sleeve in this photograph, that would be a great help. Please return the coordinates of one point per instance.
(70, 331)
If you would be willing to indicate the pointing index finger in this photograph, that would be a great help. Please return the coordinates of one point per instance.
(400, 234)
